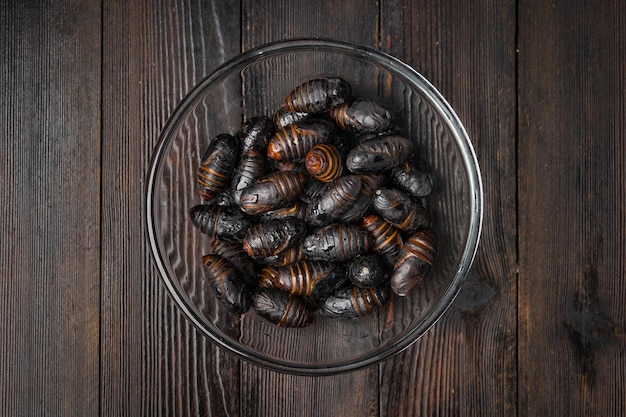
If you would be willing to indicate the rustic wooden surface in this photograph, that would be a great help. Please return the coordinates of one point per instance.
(87, 327)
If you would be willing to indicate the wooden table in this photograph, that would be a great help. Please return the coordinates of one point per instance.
(87, 326)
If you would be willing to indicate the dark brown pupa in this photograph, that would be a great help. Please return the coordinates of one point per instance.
(313, 189)
(368, 270)
(413, 181)
(275, 190)
(217, 165)
(234, 253)
(336, 200)
(252, 166)
(281, 308)
(293, 142)
(304, 278)
(414, 262)
(273, 237)
(324, 162)
(381, 153)
(401, 210)
(361, 115)
(318, 95)
(336, 242)
(387, 240)
(255, 133)
(225, 222)
(284, 117)
(354, 302)
(371, 182)
(226, 283)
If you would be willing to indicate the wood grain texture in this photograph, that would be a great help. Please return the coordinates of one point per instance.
(466, 364)
(88, 328)
(50, 218)
(269, 21)
(572, 219)
(153, 361)
(263, 392)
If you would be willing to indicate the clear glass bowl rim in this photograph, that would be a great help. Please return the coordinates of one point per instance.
(391, 64)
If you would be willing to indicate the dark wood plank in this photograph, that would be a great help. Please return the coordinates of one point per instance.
(466, 364)
(572, 161)
(153, 361)
(50, 215)
(571, 214)
(268, 21)
(267, 393)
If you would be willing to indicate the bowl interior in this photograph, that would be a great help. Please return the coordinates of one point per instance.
(256, 84)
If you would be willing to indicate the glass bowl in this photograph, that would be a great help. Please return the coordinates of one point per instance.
(255, 83)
